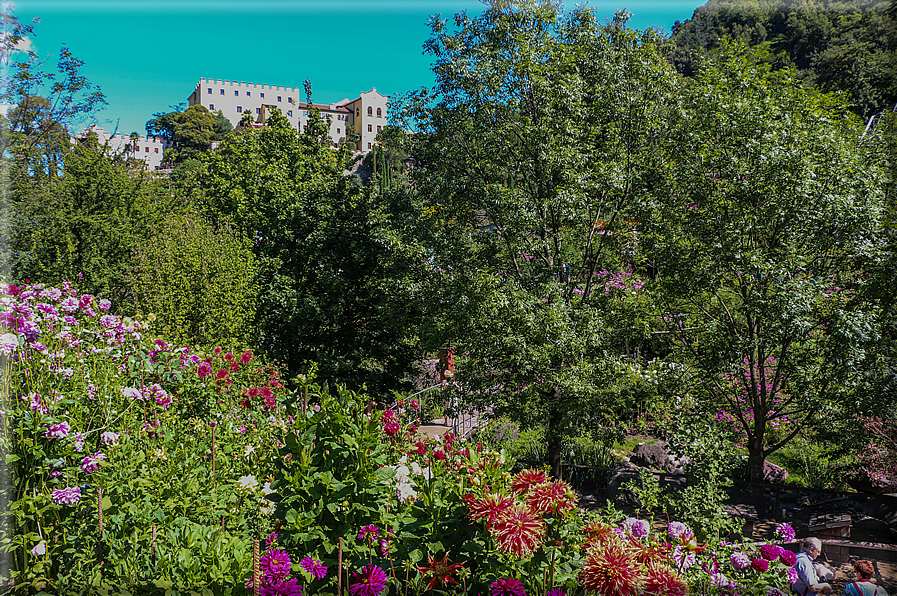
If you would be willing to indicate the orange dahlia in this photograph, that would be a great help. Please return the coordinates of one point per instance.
(519, 531)
(597, 533)
(551, 497)
(491, 507)
(645, 553)
(527, 478)
(611, 571)
(663, 581)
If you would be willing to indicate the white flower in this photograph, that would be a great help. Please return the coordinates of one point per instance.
(249, 450)
(39, 549)
(267, 490)
(266, 507)
(9, 342)
(248, 483)
(109, 438)
(159, 454)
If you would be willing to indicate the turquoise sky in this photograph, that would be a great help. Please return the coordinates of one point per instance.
(148, 55)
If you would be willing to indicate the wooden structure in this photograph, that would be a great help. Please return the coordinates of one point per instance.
(831, 522)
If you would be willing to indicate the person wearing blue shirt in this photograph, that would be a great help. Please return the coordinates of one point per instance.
(863, 585)
(807, 578)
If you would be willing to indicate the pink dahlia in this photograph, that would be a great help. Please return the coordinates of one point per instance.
(760, 565)
(391, 428)
(204, 369)
(288, 587)
(519, 531)
(770, 552)
(275, 565)
(792, 576)
(527, 478)
(740, 561)
(314, 567)
(490, 507)
(66, 496)
(785, 532)
(368, 534)
(57, 431)
(91, 463)
(611, 571)
(506, 587)
(787, 557)
(370, 582)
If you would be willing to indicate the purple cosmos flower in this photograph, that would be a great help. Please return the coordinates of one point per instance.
(314, 567)
(370, 582)
(67, 496)
(506, 587)
(57, 431)
(91, 463)
(785, 532)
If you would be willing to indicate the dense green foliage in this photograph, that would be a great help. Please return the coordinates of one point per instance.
(838, 45)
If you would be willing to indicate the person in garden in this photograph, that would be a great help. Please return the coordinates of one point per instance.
(808, 581)
(864, 586)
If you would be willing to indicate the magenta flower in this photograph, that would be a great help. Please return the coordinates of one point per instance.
(368, 534)
(288, 587)
(787, 557)
(679, 530)
(204, 369)
(57, 431)
(314, 567)
(370, 582)
(91, 463)
(506, 587)
(770, 552)
(637, 527)
(556, 592)
(785, 532)
(66, 496)
(104, 304)
(792, 575)
(760, 565)
(275, 565)
(740, 561)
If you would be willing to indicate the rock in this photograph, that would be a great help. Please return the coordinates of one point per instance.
(773, 473)
(873, 526)
(657, 456)
(625, 472)
(884, 508)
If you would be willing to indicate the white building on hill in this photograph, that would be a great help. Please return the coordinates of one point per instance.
(366, 114)
(148, 149)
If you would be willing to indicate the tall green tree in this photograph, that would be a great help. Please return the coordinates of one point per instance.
(766, 238)
(333, 284)
(537, 147)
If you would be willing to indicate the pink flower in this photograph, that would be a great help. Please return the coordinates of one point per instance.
(275, 565)
(679, 530)
(246, 356)
(785, 532)
(57, 431)
(391, 428)
(370, 582)
(314, 567)
(740, 561)
(104, 305)
(287, 587)
(368, 534)
(506, 587)
(67, 496)
(204, 369)
(637, 527)
(792, 575)
(91, 463)
(787, 557)
(109, 438)
(770, 552)
(760, 565)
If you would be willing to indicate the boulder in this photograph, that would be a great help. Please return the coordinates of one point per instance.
(623, 473)
(773, 473)
(657, 456)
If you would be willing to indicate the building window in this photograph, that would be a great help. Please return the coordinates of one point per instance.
(370, 111)
(263, 95)
(239, 109)
(209, 90)
(378, 128)
(357, 112)
(157, 149)
(290, 99)
(369, 145)
(379, 113)
(147, 150)
(236, 93)
(211, 106)
(278, 99)
(222, 92)
(258, 110)
(370, 129)
(337, 131)
(136, 148)
(289, 113)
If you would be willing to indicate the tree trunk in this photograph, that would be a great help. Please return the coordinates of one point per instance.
(555, 441)
(755, 463)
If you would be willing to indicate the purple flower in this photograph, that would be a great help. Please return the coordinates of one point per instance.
(69, 304)
(775, 592)
(792, 576)
(684, 558)
(314, 567)
(104, 305)
(719, 580)
(637, 527)
(785, 532)
(57, 431)
(79, 441)
(740, 561)
(556, 592)
(275, 565)
(368, 534)
(770, 552)
(679, 530)
(204, 369)
(109, 321)
(787, 557)
(288, 587)
(370, 582)
(131, 393)
(760, 565)
(506, 587)
(109, 438)
(67, 496)
(91, 463)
